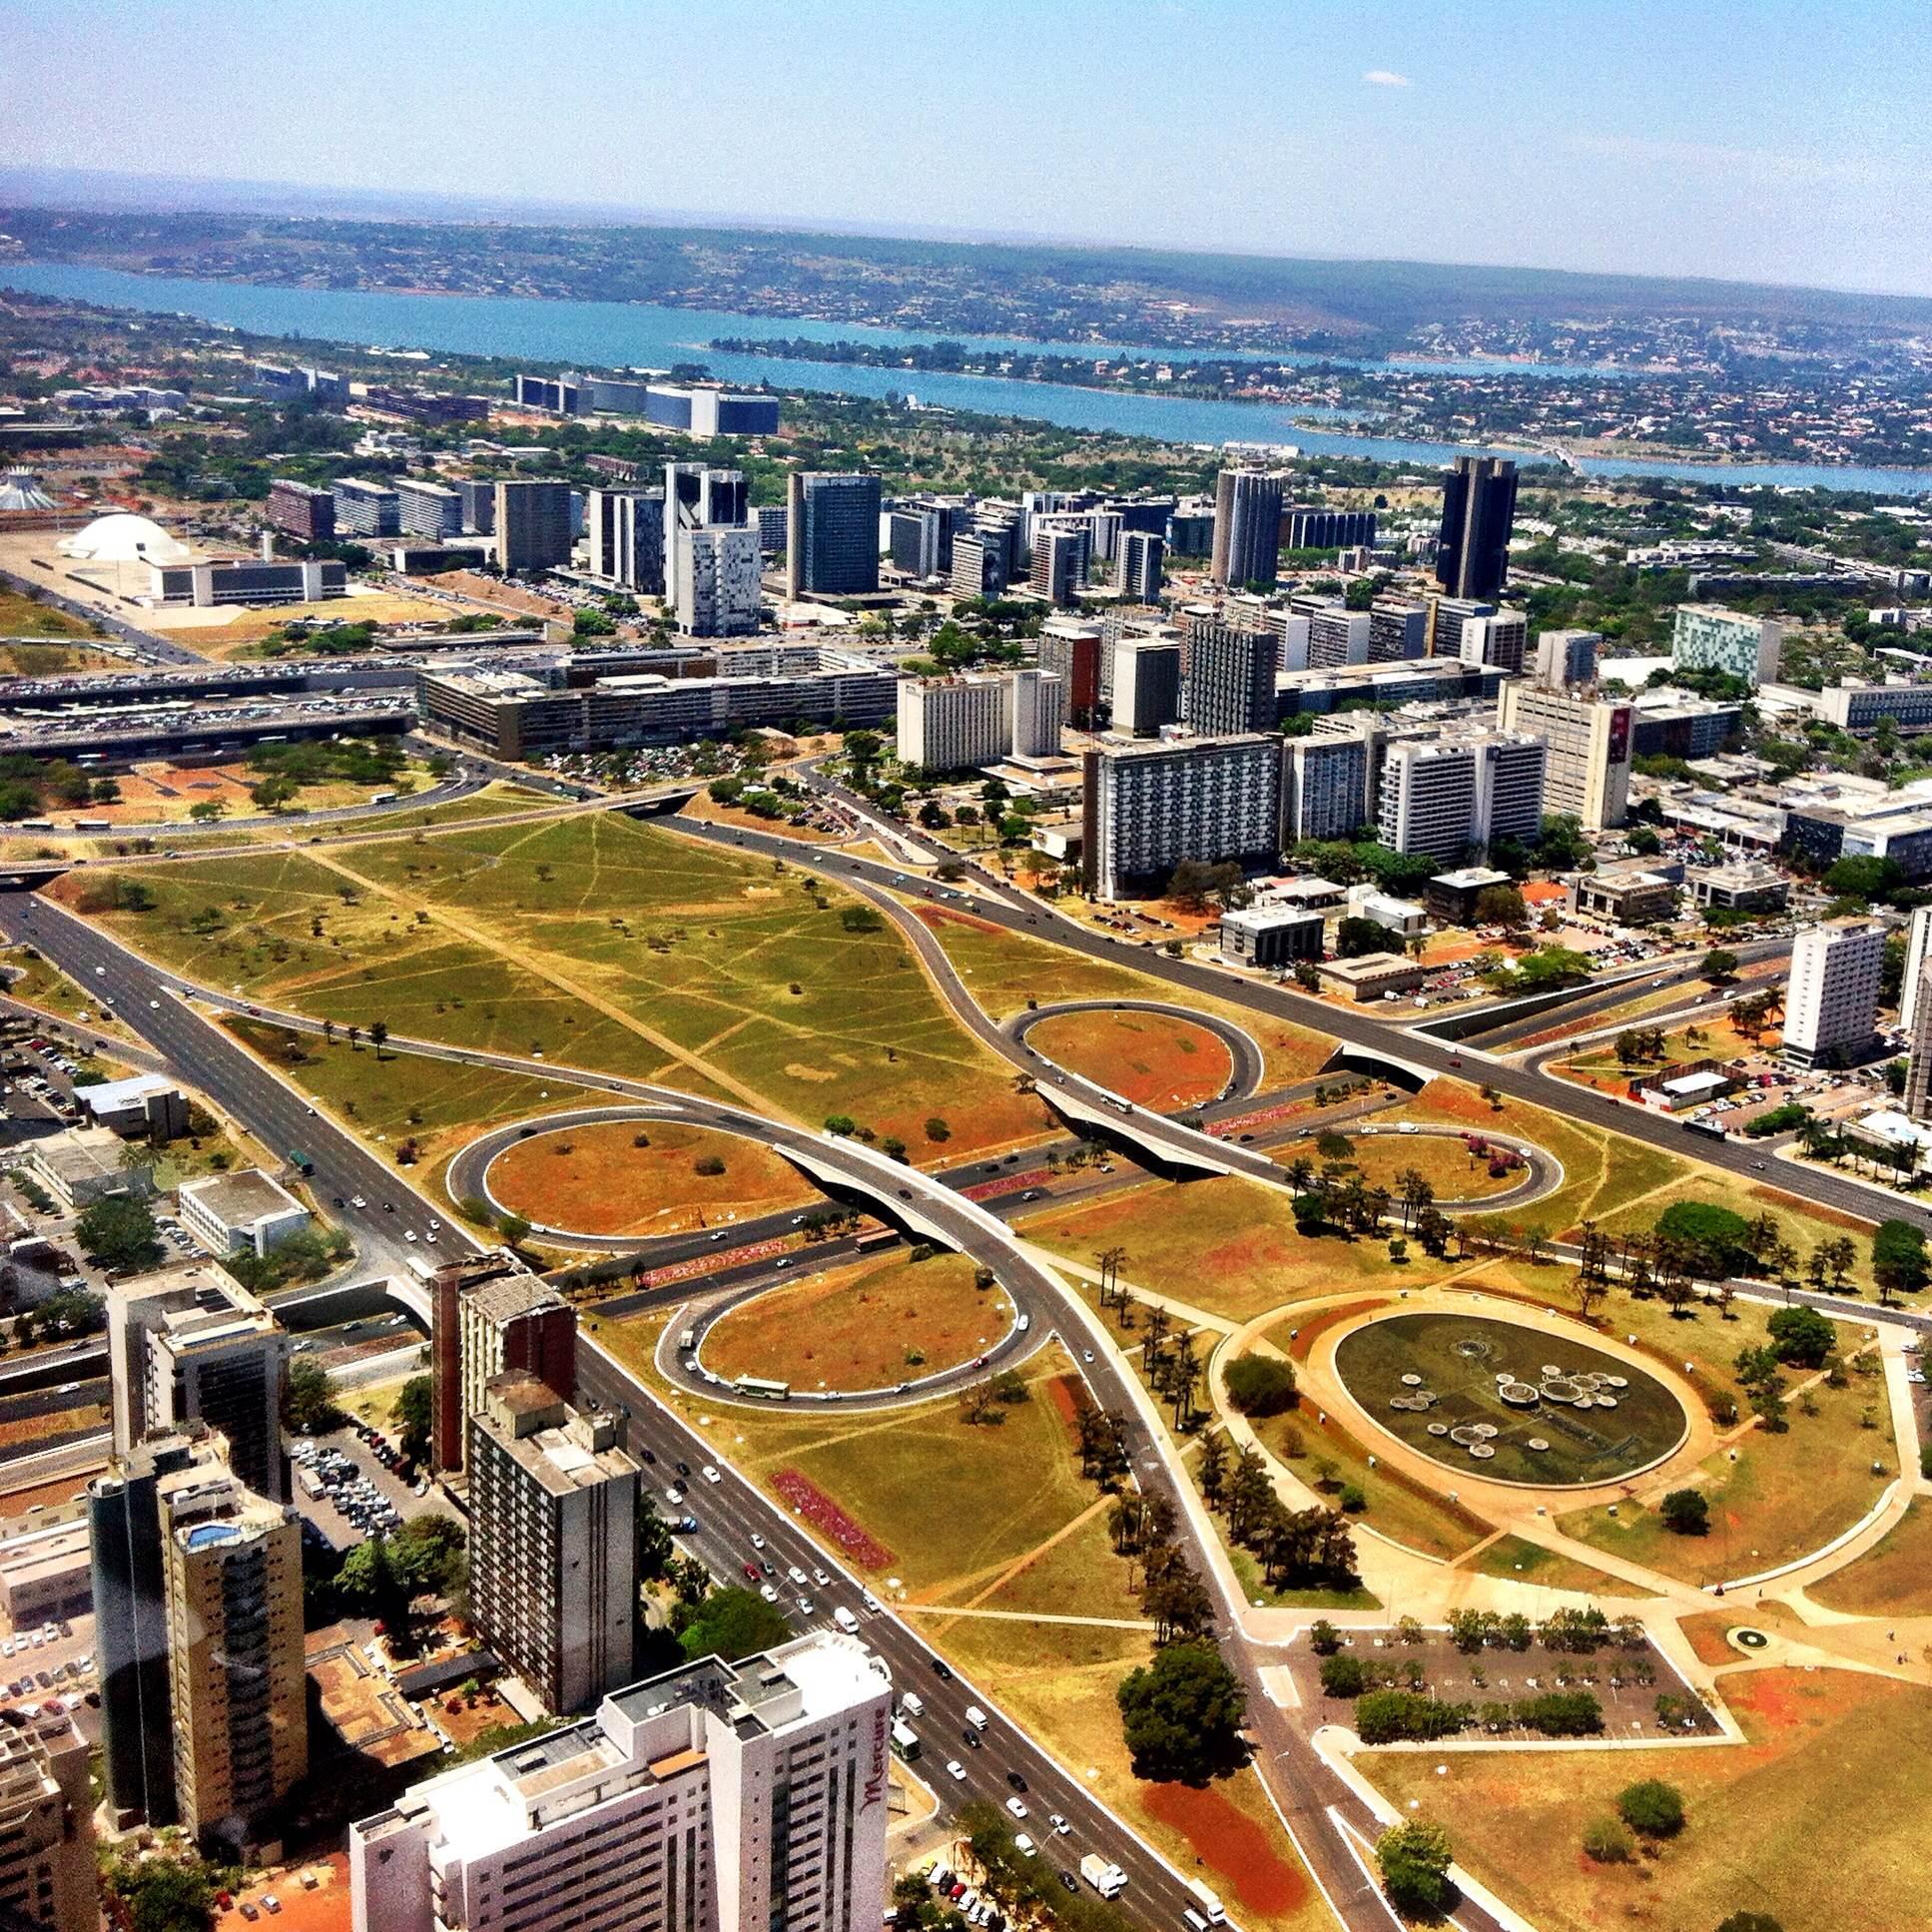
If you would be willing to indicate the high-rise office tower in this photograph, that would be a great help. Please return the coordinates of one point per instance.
(232, 1574)
(552, 1551)
(954, 724)
(130, 1627)
(532, 524)
(1441, 797)
(1479, 512)
(718, 587)
(978, 564)
(696, 497)
(719, 1797)
(1499, 638)
(1831, 999)
(1060, 562)
(1149, 807)
(363, 509)
(625, 529)
(1073, 652)
(1039, 713)
(1230, 681)
(1247, 528)
(1325, 784)
(1589, 773)
(832, 535)
(1915, 1013)
(920, 540)
(426, 509)
(47, 1871)
(488, 1317)
(190, 1344)
(479, 506)
(1146, 685)
(1138, 566)
(1566, 658)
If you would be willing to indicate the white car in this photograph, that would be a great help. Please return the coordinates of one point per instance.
(712, 1476)
(1023, 1844)
(818, 1575)
(767, 1592)
(674, 1496)
(758, 1542)
(408, 1234)
(1018, 1806)
(1059, 1823)
(807, 1608)
(355, 1201)
(796, 1573)
(955, 1771)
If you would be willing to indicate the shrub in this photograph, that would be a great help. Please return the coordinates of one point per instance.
(1261, 1385)
(1562, 1713)
(1324, 1637)
(1652, 1807)
(1414, 1859)
(1687, 1512)
(710, 1165)
(1801, 1336)
(1394, 1716)
(1354, 1498)
(1609, 1841)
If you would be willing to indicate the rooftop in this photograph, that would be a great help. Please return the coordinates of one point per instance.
(241, 1199)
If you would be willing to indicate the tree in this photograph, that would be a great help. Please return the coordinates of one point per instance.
(371, 1580)
(1212, 1469)
(937, 1129)
(1802, 1337)
(1898, 1257)
(1720, 965)
(1414, 1861)
(379, 1032)
(1355, 937)
(1261, 1385)
(1501, 906)
(414, 1413)
(732, 1623)
(1652, 1807)
(120, 1231)
(1181, 1715)
(308, 1399)
(1710, 1241)
(1750, 1922)
(1863, 877)
(1687, 1512)
(163, 1894)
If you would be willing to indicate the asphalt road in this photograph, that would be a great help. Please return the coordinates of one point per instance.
(1359, 1026)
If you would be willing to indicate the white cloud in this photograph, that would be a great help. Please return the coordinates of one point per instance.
(1382, 76)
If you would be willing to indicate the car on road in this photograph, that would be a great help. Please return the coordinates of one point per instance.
(1018, 1806)
(1059, 1823)
(796, 1573)
(751, 1572)
(972, 1737)
(767, 1592)
(941, 1670)
(976, 1718)
(1067, 1881)
(711, 1476)
(1015, 1780)
(955, 1771)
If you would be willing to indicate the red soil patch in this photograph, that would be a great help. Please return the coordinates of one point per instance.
(819, 1509)
(936, 919)
(1316, 1324)
(1707, 1635)
(1069, 1396)
(1232, 1846)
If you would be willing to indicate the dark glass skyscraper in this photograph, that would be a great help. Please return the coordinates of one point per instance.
(832, 536)
(1479, 509)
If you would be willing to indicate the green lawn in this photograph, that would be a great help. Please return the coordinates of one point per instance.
(1223, 1244)
(1893, 1578)
(1782, 1497)
(1519, 1561)
(1802, 1823)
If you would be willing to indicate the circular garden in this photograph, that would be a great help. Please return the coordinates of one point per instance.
(1154, 1059)
(1508, 1402)
(641, 1178)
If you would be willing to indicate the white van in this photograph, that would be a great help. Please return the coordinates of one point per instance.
(975, 1717)
(1194, 1919)
(846, 1621)
(912, 1704)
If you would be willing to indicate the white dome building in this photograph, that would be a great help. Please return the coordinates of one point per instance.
(122, 537)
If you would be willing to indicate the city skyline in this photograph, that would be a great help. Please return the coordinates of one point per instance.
(1422, 138)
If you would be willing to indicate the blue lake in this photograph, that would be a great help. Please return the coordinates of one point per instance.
(615, 335)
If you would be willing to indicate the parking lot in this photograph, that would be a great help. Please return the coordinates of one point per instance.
(53, 1663)
(346, 1483)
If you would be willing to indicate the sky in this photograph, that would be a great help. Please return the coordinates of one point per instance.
(1773, 142)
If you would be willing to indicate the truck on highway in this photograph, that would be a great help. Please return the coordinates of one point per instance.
(689, 1339)
(1211, 1907)
(1103, 1876)
(904, 1741)
(300, 1163)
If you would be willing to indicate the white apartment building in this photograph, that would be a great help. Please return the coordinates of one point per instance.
(1149, 807)
(1589, 740)
(1832, 1000)
(1567, 657)
(1326, 785)
(720, 1797)
(1039, 713)
(718, 574)
(553, 1567)
(427, 509)
(954, 724)
(249, 1210)
(1500, 639)
(1439, 796)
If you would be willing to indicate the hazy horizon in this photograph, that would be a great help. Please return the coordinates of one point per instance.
(1648, 142)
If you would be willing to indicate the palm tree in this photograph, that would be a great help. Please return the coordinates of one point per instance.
(1183, 1378)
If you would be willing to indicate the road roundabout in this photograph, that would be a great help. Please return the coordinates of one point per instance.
(1231, 1069)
